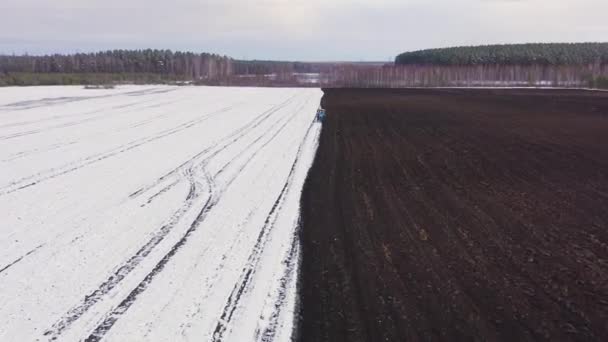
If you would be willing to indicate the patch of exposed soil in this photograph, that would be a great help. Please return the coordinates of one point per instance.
(458, 215)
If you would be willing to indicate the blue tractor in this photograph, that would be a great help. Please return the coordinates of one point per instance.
(320, 115)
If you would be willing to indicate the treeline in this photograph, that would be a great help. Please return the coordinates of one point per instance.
(513, 54)
(165, 63)
(554, 65)
(257, 67)
(576, 76)
(151, 66)
(36, 79)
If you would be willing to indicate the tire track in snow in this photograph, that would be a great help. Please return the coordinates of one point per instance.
(23, 154)
(292, 259)
(161, 192)
(248, 270)
(243, 285)
(93, 116)
(238, 172)
(114, 280)
(215, 196)
(74, 314)
(111, 318)
(279, 123)
(27, 182)
(104, 115)
(114, 315)
(11, 264)
(121, 273)
(47, 102)
(225, 142)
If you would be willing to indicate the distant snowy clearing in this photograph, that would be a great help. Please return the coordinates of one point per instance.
(151, 213)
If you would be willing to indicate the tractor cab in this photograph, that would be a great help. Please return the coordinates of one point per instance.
(320, 115)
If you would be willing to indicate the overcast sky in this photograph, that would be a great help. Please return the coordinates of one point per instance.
(310, 30)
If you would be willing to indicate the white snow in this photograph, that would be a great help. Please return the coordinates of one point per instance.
(151, 213)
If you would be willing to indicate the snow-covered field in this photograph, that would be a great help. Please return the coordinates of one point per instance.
(151, 213)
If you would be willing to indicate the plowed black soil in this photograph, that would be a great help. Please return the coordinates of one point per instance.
(458, 215)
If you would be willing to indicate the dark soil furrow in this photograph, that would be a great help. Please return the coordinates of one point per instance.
(460, 214)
